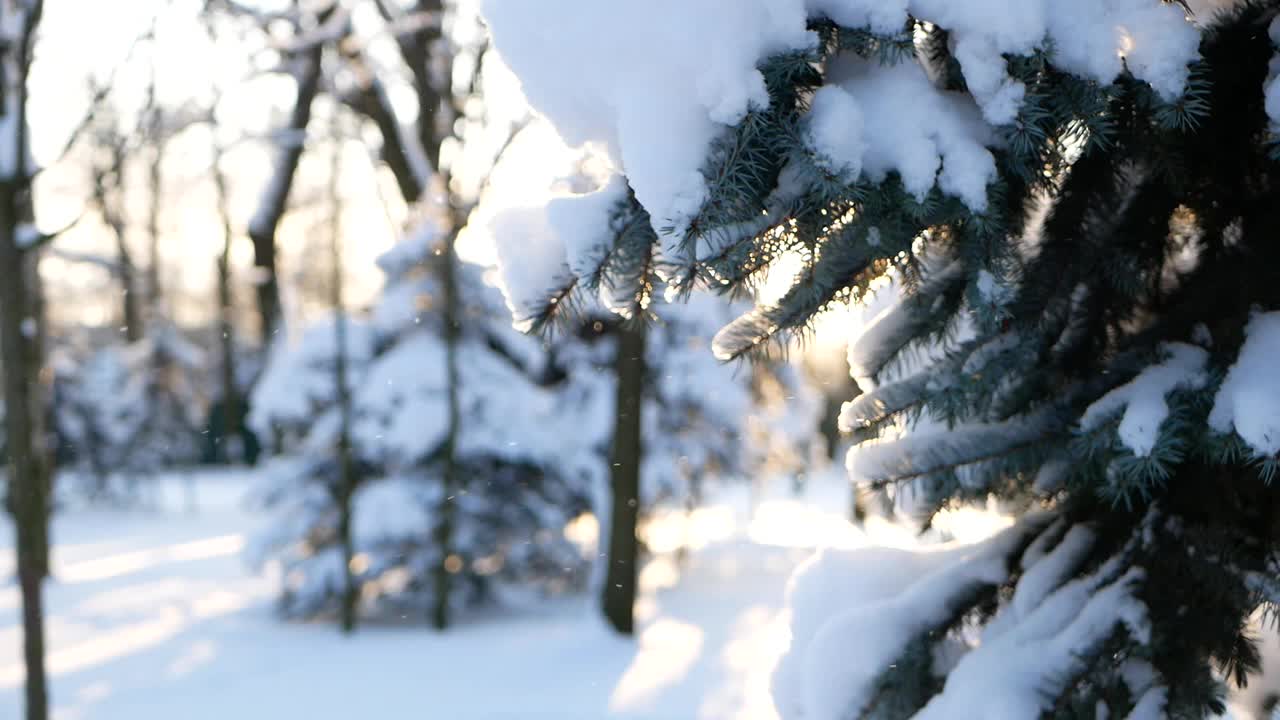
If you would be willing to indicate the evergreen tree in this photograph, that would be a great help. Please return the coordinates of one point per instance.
(680, 418)
(681, 421)
(129, 410)
(1063, 212)
(527, 467)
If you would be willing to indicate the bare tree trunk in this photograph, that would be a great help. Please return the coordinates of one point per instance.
(431, 82)
(21, 354)
(155, 177)
(451, 485)
(347, 479)
(405, 154)
(111, 206)
(133, 323)
(619, 592)
(371, 100)
(24, 419)
(231, 412)
(274, 202)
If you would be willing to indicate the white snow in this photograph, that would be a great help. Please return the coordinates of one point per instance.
(1010, 675)
(298, 377)
(514, 221)
(1143, 398)
(595, 71)
(1249, 399)
(930, 446)
(1151, 705)
(651, 83)
(152, 615)
(1094, 39)
(836, 132)
(1043, 575)
(532, 264)
(553, 222)
(852, 615)
(400, 403)
(27, 235)
(880, 317)
(829, 582)
(583, 221)
(880, 119)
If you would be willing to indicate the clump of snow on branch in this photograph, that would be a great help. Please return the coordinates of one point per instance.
(1249, 399)
(853, 614)
(592, 70)
(873, 119)
(298, 378)
(829, 582)
(882, 317)
(545, 216)
(637, 79)
(1097, 39)
(1022, 662)
(400, 403)
(1143, 398)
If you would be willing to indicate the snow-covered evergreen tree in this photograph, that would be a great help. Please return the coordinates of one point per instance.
(526, 451)
(702, 420)
(1064, 214)
(127, 411)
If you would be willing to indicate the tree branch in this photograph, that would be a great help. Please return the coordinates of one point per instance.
(31, 238)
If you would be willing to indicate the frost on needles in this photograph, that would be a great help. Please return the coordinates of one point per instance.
(1060, 217)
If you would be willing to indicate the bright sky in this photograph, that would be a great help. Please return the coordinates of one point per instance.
(84, 38)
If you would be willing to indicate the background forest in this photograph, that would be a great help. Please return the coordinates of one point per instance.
(273, 379)
(767, 360)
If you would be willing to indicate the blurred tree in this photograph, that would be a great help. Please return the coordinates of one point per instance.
(1067, 243)
(109, 148)
(301, 58)
(21, 354)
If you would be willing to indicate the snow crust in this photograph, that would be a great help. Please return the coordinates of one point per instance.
(1249, 400)
(1143, 398)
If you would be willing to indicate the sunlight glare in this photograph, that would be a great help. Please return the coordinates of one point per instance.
(668, 648)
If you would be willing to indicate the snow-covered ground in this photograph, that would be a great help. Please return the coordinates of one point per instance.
(154, 615)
